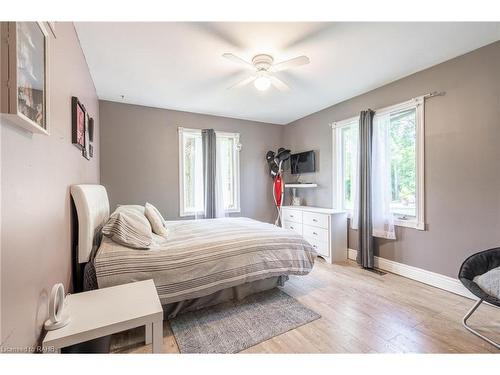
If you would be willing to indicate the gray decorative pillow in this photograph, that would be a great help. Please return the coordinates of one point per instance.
(129, 228)
(155, 219)
(489, 282)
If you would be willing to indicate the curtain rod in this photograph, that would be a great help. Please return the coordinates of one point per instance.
(425, 96)
(433, 94)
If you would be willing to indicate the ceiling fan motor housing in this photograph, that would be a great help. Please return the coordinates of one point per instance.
(262, 62)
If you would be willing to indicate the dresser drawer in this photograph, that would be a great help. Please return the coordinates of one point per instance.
(317, 220)
(292, 215)
(321, 247)
(319, 234)
(296, 227)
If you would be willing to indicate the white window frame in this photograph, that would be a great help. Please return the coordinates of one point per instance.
(338, 191)
(236, 161)
(182, 211)
(418, 103)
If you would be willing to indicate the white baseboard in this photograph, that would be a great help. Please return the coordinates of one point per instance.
(427, 277)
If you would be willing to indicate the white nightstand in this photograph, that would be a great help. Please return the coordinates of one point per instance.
(106, 311)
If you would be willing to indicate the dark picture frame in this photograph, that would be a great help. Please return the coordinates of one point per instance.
(91, 130)
(86, 149)
(78, 120)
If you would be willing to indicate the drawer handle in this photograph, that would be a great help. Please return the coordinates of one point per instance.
(315, 233)
(315, 220)
(291, 215)
(291, 227)
(315, 246)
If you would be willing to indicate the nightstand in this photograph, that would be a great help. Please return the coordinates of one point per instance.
(106, 311)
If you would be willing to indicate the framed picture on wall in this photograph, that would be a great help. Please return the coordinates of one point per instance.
(91, 130)
(25, 87)
(86, 149)
(78, 116)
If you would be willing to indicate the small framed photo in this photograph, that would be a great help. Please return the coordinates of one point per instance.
(78, 119)
(91, 129)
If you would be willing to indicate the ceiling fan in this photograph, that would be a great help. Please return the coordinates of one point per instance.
(263, 66)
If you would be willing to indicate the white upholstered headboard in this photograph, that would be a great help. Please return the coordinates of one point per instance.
(92, 207)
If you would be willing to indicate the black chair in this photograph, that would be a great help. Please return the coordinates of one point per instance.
(473, 266)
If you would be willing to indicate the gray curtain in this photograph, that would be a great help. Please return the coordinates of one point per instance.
(365, 239)
(209, 164)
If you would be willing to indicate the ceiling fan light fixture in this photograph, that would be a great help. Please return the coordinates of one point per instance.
(264, 69)
(262, 83)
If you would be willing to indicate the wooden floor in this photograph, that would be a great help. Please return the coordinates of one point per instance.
(363, 312)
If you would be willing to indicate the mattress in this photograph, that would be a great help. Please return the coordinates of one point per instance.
(201, 257)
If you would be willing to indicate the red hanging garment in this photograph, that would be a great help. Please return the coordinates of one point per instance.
(278, 190)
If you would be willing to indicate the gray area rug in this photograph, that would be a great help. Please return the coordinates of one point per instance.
(234, 326)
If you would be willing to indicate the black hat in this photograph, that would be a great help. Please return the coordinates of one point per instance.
(270, 156)
(283, 154)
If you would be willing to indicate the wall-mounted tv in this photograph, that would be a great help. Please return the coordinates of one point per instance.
(303, 162)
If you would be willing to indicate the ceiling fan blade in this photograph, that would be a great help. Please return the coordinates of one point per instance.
(296, 61)
(278, 83)
(242, 83)
(238, 60)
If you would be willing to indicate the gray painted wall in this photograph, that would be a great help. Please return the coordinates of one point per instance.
(140, 156)
(462, 171)
(36, 173)
(462, 159)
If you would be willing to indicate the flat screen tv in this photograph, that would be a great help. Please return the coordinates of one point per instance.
(302, 162)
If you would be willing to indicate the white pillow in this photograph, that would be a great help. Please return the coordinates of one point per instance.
(128, 228)
(155, 219)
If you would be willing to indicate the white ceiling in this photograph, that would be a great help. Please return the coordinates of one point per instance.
(179, 65)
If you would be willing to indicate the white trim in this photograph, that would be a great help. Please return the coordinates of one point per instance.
(183, 213)
(338, 190)
(348, 121)
(336, 174)
(236, 162)
(181, 174)
(420, 163)
(179, 170)
(352, 254)
(413, 223)
(400, 106)
(434, 279)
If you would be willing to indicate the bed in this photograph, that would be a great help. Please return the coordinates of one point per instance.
(199, 263)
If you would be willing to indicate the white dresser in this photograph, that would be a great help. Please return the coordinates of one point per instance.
(324, 228)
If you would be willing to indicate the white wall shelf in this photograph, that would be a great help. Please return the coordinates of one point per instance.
(301, 185)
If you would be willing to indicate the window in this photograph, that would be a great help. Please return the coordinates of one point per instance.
(405, 144)
(191, 171)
